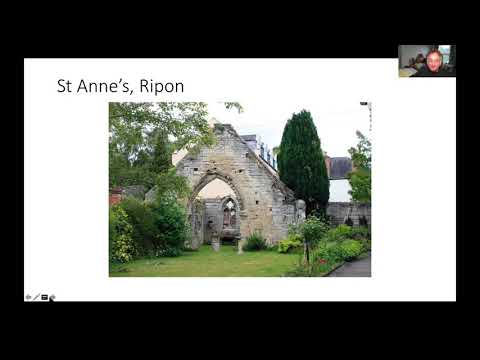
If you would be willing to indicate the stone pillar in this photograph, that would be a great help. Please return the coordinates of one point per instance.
(241, 243)
(236, 241)
(300, 204)
(244, 230)
(215, 241)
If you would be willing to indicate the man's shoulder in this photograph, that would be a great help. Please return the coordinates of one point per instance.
(424, 72)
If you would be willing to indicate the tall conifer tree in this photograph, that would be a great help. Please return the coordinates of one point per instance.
(301, 163)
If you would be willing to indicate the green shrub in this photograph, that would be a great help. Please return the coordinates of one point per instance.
(142, 219)
(321, 266)
(121, 245)
(255, 242)
(318, 266)
(343, 251)
(360, 232)
(172, 229)
(291, 242)
(313, 230)
(340, 233)
(331, 254)
(325, 257)
(321, 215)
(294, 229)
(366, 243)
(350, 249)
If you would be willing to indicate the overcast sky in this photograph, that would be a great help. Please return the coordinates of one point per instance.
(336, 121)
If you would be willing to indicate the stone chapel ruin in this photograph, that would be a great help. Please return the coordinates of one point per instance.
(260, 201)
(256, 199)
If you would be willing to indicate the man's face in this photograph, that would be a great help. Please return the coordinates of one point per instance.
(434, 61)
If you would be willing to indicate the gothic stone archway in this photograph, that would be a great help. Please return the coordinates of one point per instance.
(265, 203)
(222, 217)
(213, 174)
(212, 213)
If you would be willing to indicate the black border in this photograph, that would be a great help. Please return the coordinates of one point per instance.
(19, 183)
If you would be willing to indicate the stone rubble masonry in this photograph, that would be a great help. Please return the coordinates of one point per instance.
(197, 222)
(340, 211)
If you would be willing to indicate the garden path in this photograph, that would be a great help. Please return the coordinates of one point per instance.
(358, 268)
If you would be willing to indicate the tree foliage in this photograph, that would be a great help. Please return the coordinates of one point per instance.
(121, 245)
(171, 185)
(157, 228)
(301, 163)
(361, 176)
(170, 220)
(141, 218)
(143, 137)
(236, 105)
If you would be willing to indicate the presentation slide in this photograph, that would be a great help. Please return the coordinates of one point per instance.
(241, 179)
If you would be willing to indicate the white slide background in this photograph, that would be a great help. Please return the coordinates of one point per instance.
(414, 175)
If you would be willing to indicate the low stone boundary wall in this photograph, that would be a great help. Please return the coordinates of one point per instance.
(339, 212)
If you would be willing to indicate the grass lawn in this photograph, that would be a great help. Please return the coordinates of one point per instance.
(206, 262)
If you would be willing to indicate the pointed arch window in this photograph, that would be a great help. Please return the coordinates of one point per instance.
(229, 214)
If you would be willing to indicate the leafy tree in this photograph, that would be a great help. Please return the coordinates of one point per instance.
(301, 163)
(143, 137)
(236, 105)
(361, 176)
(121, 245)
(157, 228)
(170, 221)
(171, 185)
(141, 218)
(312, 230)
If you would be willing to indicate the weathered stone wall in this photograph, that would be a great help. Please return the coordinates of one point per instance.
(212, 218)
(265, 203)
(340, 211)
(197, 221)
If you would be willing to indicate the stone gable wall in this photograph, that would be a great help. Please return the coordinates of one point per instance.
(266, 204)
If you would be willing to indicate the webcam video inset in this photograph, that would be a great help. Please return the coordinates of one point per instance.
(427, 60)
